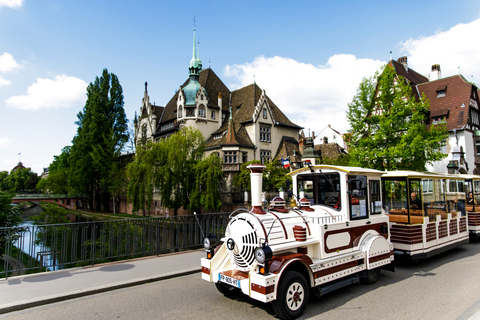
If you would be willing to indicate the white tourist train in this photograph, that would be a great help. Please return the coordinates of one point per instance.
(337, 234)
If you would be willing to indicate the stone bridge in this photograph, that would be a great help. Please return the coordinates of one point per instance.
(64, 200)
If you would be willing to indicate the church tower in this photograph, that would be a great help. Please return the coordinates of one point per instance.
(193, 99)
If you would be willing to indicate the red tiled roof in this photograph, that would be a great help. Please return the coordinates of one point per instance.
(456, 99)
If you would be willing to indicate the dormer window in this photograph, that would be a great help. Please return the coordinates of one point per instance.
(180, 112)
(264, 113)
(441, 91)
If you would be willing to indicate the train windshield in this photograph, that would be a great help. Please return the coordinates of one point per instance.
(321, 189)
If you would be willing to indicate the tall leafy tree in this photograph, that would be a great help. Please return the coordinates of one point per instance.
(389, 129)
(102, 133)
(176, 169)
(57, 180)
(21, 180)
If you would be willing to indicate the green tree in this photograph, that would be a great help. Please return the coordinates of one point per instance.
(140, 179)
(3, 177)
(242, 178)
(274, 176)
(21, 180)
(206, 193)
(388, 126)
(57, 180)
(176, 169)
(10, 216)
(101, 135)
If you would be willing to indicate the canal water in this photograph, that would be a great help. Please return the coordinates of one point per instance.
(32, 246)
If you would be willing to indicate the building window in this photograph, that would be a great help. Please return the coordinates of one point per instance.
(230, 157)
(443, 148)
(265, 135)
(201, 112)
(180, 112)
(144, 132)
(213, 115)
(244, 157)
(474, 117)
(264, 113)
(223, 116)
(265, 156)
(441, 92)
(477, 146)
(167, 125)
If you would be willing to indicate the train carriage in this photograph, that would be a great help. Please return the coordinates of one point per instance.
(335, 235)
(472, 204)
(427, 212)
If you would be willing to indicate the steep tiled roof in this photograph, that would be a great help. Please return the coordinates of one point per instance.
(286, 149)
(329, 150)
(241, 137)
(457, 97)
(410, 75)
(245, 100)
(212, 84)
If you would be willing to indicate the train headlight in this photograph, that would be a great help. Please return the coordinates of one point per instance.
(263, 254)
(209, 242)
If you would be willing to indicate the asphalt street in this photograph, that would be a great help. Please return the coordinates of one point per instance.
(443, 287)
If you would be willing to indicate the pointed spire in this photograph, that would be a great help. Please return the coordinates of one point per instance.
(195, 64)
(230, 137)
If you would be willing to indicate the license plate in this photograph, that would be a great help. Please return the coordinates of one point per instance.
(228, 280)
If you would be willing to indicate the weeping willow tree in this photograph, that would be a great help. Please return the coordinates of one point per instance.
(177, 170)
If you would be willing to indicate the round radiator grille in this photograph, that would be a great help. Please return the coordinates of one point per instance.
(245, 239)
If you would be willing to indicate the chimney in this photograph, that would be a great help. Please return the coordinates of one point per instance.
(436, 72)
(220, 111)
(403, 60)
(256, 176)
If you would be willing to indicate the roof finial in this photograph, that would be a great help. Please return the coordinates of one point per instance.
(390, 55)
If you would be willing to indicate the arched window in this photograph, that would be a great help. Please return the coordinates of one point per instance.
(201, 112)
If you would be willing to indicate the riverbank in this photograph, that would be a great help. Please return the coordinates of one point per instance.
(95, 215)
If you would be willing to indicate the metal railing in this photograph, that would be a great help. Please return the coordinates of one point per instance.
(38, 248)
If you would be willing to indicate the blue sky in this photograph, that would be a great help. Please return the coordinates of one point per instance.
(309, 56)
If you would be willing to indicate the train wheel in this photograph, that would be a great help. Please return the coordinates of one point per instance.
(226, 290)
(292, 296)
(371, 276)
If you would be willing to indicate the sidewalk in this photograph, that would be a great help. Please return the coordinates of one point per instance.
(26, 291)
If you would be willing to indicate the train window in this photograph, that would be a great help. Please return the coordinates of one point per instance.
(375, 202)
(321, 189)
(395, 196)
(434, 200)
(455, 196)
(357, 189)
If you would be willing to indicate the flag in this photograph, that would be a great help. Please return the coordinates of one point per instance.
(285, 162)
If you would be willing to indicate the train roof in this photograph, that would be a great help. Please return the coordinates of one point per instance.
(415, 174)
(316, 168)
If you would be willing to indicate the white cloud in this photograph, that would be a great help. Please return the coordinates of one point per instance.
(311, 96)
(63, 92)
(4, 142)
(7, 63)
(11, 3)
(456, 47)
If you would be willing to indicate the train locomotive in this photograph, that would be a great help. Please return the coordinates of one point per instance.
(336, 234)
